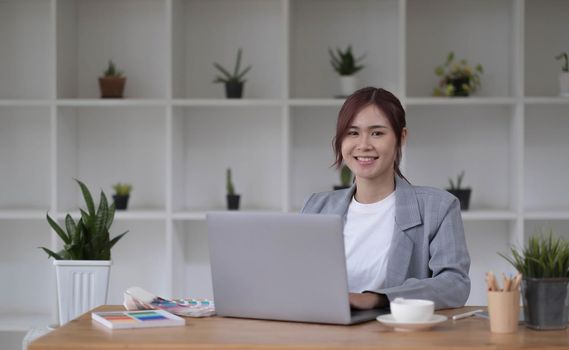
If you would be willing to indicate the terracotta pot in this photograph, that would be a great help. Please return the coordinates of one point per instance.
(112, 87)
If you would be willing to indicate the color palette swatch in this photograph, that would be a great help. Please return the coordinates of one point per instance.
(137, 319)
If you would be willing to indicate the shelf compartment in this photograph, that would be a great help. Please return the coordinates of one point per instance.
(191, 265)
(25, 268)
(312, 130)
(339, 24)
(25, 139)
(27, 50)
(473, 30)
(132, 33)
(546, 146)
(194, 51)
(104, 145)
(207, 140)
(544, 19)
(443, 141)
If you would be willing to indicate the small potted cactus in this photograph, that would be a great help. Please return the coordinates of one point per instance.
(234, 83)
(232, 197)
(345, 178)
(121, 196)
(112, 82)
(564, 75)
(463, 194)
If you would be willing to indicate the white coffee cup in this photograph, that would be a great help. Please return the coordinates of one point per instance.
(412, 310)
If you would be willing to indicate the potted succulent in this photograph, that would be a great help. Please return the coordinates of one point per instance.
(232, 197)
(457, 78)
(86, 252)
(564, 75)
(121, 196)
(346, 66)
(345, 178)
(463, 194)
(234, 83)
(544, 265)
(112, 82)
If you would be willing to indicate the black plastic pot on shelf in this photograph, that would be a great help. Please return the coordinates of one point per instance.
(463, 196)
(121, 202)
(233, 201)
(234, 89)
(458, 89)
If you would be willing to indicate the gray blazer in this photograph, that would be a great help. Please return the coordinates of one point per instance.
(428, 258)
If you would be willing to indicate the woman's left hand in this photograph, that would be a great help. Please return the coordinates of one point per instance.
(363, 301)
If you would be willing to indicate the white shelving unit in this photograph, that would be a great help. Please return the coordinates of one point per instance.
(174, 134)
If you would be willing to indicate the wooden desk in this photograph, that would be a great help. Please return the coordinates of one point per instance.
(230, 333)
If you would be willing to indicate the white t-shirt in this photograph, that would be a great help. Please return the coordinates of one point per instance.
(367, 237)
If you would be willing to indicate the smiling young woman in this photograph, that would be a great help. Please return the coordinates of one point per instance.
(400, 240)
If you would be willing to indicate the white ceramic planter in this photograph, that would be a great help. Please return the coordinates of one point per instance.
(564, 84)
(81, 286)
(348, 84)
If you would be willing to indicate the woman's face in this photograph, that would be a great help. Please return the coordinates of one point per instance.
(370, 146)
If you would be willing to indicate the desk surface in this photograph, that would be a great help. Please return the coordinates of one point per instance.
(231, 333)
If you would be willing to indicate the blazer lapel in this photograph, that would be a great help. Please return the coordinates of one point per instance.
(407, 216)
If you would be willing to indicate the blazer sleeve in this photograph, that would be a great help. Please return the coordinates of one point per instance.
(449, 262)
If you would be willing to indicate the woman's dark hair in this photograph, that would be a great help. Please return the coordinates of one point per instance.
(386, 102)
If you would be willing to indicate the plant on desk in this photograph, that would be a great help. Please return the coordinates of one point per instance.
(463, 194)
(232, 197)
(86, 248)
(122, 194)
(544, 264)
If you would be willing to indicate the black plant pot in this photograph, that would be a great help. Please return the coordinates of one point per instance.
(545, 303)
(458, 89)
(233, 89)
(121, 202)
(463, 196)
(340, 187)
(233, 201)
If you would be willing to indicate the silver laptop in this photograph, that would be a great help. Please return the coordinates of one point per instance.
(279, 266)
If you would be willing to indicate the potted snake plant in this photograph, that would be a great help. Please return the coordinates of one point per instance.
(564, 75)
(345, 178)
(346, 65)
(86, 251)
(122, 194)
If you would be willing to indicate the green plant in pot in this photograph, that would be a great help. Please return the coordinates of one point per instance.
(457, 78)
(112, 82)
(463, 194)
(234, 82)
(87, 250)
(346, 65)
(564, 75)
(544, 265)
(345, 178)
(232, 197)
(122, 194)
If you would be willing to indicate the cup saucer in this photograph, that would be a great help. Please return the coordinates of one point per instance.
(390, 321)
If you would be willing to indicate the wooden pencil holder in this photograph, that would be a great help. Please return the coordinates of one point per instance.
(504, 311)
